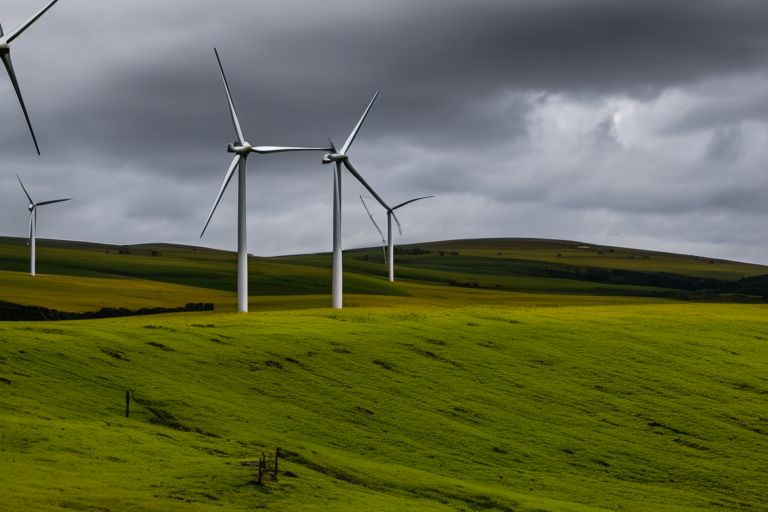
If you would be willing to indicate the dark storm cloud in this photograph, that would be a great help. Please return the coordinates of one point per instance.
(297, 74)
(556, 115)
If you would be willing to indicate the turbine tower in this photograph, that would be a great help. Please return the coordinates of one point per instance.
(5, 56)
(242, 148)
(338, 158)
(390, 258)
(33, 206)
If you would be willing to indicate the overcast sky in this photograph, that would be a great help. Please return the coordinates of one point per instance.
(629, 123)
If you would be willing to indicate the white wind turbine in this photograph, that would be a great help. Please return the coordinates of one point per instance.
(33, 206)
(5, 56)
(390, 258)
(339, 158)
(242, 148)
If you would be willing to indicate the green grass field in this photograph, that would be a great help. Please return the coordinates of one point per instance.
(642, 407)
(525, 393)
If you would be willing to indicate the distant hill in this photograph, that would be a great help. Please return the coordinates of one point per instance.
(81, 276)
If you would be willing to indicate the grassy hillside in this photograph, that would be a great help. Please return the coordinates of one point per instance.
(584, 254)
(79, 276)
(480, 380)
(399, 408)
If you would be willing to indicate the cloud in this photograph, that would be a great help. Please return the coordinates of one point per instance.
(612, 122)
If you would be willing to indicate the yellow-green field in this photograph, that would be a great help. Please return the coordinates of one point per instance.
(641, 407)
(534, 390)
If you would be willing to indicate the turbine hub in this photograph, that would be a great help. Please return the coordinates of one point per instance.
(240, 149)
(31, 207)
(334, 158)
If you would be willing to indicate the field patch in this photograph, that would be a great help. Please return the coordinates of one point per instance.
(525, 408)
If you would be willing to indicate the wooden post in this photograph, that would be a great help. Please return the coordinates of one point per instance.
(127, 404)
(262, 468)
(277, 464)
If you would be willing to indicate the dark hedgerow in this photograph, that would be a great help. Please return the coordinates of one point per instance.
(10, 312)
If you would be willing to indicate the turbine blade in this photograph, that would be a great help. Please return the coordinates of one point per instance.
(366, 185)
(354, 133)
(12, 74)
(235, 120)
(399, 226)
(53, 202)
(1, 30)
(332, 149)
(227, 179)
(283, 149)
(366, 207)
(24, 26)
(370, 215)
(412, 201)
(25, 190)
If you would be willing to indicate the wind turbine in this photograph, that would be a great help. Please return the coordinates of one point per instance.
(390, 259)
(242, 148)
(33, 206)
(5, 56)
(339, 158)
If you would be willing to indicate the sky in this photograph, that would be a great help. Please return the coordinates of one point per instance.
(635, 123)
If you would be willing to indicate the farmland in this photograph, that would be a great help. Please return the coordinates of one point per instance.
(527, 392)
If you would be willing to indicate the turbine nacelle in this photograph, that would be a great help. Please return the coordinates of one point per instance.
(329, 158)
(240, 149)
(31, 207)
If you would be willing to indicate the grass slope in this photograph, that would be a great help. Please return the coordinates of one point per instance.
(536, 389)
(79, 294)
(636, 407)
(582, 254)
(78, 276)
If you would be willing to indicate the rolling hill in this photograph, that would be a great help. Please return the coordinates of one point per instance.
(403, 408)
(82, 277)
(499, 375)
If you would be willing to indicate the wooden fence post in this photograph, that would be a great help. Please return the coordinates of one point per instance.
(262, 468)
(277, 464)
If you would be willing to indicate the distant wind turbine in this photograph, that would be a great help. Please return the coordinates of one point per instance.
(5, 56)
(390, 258)
(33, 206)
(242, 148)
(339, 158)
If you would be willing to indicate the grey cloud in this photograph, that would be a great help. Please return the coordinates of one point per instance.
(129, 108)
(603, 136)
(725, 145)
(718, 104)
